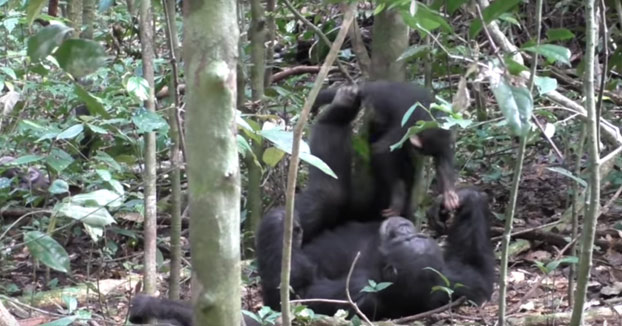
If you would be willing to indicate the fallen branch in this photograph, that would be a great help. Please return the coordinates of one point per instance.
(429, 312)
(298, 70)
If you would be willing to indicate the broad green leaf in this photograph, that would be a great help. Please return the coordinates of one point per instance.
(71, 132)
(551, 52)
(410, 111)
(97, 129)
(93, 103)
(93, 216)
(33, 10)
(138, 87)
(569, 174)
(558, 34)
(516, 104)
(272, 156)
(509, 17)
(551, 266)
(283, 140)
(243, 146)
(108, 160)
(45, 249)
(492, 12)
(104, 174)
(147, 121)
(514, 67)
(318, 163)
(45, 41)
(383, 285)
(10, 23)
(100, 197)
(26, 159)
(59, 160)
(9, 72)
(80, 57)
(413, 51)
(545, 84)
(59, 186)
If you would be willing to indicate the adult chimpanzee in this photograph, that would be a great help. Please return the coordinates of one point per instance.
(393, 170)
(174, 312)
(390, 252)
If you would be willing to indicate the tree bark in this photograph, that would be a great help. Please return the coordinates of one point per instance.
(390, 40)
(146, 42)
(210, 51)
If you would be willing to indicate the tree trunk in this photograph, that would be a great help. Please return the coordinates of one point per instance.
(210, 50)
(146, 42)
(88, 12)
(390, 40)
(75, 16)
(588, 234)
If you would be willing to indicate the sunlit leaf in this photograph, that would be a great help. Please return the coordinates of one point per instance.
(100, 197)
(551, 52)
(138, 87)
(45, 41)
(516, 104)
(71, 132)
(94, 216)
(545, 84)
(45, 249)
(272, 156)
(59, 186)
(453, 5)
(26, 159)
(80, 57)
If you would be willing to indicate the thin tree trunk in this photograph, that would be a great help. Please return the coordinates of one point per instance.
(88, 12)
(589, 221)
(210, 51)
(257, 34)
(146, 42)
(75, 16)
(176, 161)
(271, 26)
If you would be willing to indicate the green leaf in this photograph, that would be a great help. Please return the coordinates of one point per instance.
(93, 103)
(100, 197)
(551, 52)
(26, 159)
(65, 321)
(492, 12)
(559, 34)
(45, 41)
(545, 84)
(45, 249)
(59, 160)
(9, 72)
(551, 266)
(33, 10)
(147, 121)
(10, 23)
(509, 17)
(417, 128)
(283, 140)
(80, 57)
(383, 285)
(410, 111)
(70, 132)
(516, 104)
(59, 186)
(570, 175)
(93, 216)
(138, 87)
(514, 67)
(272, 156)
(443, 277)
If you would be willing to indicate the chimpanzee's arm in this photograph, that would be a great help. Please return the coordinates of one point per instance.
(145, 307)
(469, 255)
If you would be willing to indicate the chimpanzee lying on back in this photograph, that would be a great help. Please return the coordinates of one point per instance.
(390, 252)
(393, 170)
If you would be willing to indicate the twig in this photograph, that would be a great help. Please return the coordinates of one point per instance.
(319, 33)
(603, 71)
(429, 312)
(551, 142)
(295, 159)
(352, 303)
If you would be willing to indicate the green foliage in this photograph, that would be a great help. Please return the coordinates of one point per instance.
(554, 264)
(492, 12)
(45, 249)
(516, 104)
(551, 52)
(265, 315)
(373, 287)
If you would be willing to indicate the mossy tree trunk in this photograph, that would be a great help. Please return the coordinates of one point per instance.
(390, 40)
(210, 51)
